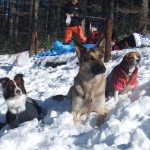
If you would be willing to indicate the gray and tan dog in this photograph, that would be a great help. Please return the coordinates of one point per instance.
(88, 91)
(123, 77)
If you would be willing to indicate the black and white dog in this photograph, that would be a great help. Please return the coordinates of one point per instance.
(20, 107)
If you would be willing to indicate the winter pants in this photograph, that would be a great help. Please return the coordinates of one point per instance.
(69, 31)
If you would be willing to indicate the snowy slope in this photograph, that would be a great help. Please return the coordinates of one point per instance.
(126, 126)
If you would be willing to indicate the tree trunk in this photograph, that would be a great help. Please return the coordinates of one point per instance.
(5, 23)
(108, 40)
(34, 34)
(31, 16)
(109, 32)
(11, 19)
(112, 9)
(16, 21)
(58, 16)
(144, 16)
(33, 44)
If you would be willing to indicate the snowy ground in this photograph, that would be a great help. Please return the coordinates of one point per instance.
(126, 126)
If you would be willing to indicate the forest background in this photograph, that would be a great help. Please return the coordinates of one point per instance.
(35, 24)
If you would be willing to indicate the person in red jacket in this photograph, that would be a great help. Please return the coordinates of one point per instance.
(74, 13)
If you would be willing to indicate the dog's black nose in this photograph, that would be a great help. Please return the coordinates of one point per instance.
(98, 69)
(103, 68)
(138, 60)
(18, 91)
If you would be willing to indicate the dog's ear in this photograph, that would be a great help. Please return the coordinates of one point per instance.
(4, 81)
(125, 58)
(138, 55)
(101, 44)
(79, 49)
(19, 77)
(124, 64)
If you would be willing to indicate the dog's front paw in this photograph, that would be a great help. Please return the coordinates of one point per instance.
(111, 103)
(75, 119)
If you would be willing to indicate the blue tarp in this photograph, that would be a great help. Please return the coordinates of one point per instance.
(59, 48)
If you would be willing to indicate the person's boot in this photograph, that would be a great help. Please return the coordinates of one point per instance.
(84, 42)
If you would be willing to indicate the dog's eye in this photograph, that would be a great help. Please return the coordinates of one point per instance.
(131, 58)
(11, 87)
(91, 58)
(100, 56)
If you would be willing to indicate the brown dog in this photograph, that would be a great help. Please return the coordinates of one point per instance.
(122, 78)
(88, 91)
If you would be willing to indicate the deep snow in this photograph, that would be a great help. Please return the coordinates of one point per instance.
(126, 126)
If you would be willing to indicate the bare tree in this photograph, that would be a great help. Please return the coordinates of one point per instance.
(108, 40)
(16, 20)
(4, 20)
(34, 34)
(144, 16)
(109, 32)
(11, 19)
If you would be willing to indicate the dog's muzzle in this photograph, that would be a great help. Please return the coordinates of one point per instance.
(98, 69)
(18, 92)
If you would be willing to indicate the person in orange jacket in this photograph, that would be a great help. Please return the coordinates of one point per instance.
(74, 13)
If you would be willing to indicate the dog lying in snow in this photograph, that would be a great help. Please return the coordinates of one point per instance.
(123, 77)
(20, 107)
